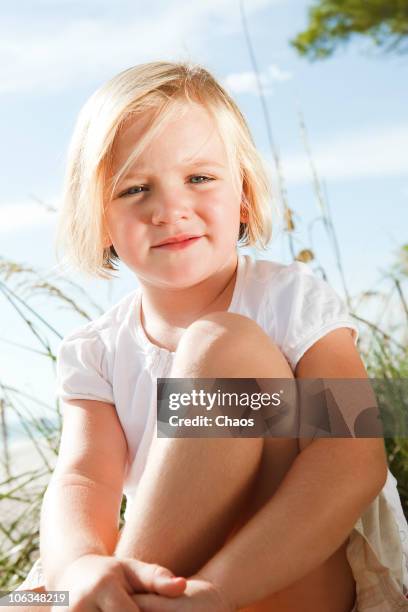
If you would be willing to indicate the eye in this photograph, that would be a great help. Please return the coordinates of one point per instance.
(131, 191)
(137, 189)
(206, 179)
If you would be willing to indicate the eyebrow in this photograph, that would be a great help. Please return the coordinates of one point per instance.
(186, 163)
(202, 162)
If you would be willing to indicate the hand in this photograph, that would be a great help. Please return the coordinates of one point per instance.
(101, 583)
(199, 596)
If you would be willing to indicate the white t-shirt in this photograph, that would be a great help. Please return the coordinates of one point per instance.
(112, 360)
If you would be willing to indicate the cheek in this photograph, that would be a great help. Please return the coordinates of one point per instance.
(121, 223)
(223, 206)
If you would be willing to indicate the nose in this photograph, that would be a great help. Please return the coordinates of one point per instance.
(170, 206)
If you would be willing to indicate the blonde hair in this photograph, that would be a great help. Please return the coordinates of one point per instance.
(157, 86)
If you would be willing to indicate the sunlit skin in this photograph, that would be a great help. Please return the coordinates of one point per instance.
(181, 285)
(165, 193)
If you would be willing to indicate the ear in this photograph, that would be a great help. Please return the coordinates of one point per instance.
(244, 216)
(106, 241)
(244, 212)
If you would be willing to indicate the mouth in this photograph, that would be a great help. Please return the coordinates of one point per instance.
(179, 242)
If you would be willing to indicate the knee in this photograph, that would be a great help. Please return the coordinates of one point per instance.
(228, 322)
(220, 338)
(222, 327)
(218, 332)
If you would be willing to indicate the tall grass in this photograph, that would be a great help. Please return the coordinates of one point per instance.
(22, 489)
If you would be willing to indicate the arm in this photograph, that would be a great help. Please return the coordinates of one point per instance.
(81, 506)
(328, 487)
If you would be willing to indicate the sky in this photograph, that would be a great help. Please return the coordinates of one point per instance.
(53, 55)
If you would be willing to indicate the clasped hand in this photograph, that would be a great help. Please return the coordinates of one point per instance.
(99, 583)
(199, 596)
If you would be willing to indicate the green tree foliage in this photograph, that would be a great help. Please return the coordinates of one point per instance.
(334, 22)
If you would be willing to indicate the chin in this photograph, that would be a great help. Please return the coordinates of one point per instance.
(183, 277)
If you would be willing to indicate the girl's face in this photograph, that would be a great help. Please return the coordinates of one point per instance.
(180, 186)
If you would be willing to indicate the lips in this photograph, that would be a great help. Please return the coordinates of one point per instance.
(176, 239)
(178, 245)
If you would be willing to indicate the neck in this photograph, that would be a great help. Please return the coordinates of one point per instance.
(167, 312)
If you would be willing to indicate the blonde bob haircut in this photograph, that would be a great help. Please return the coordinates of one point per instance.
(163, 88)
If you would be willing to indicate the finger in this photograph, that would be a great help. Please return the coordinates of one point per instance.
(117, 600)
(150, 577)
(155, 603)
(170, 588)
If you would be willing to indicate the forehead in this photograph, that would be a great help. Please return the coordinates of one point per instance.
(189, 132)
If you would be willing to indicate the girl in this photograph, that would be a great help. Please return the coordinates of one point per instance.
(163, 174)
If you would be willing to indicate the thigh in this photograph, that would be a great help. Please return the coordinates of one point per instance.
(331, 586)
(277, 457)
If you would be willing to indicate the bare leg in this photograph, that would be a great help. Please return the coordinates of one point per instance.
(193, 490)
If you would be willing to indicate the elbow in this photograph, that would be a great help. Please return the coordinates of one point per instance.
(381, 465)
(376, 476)
(367, 467)
(371, 457)
(381, 475)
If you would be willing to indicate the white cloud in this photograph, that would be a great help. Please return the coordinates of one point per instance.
(241, 82)
(20, 215)
(53, 50)
(246, 82)
(376, 152)
(276, 74)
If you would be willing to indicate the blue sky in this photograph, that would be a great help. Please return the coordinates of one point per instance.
(55, 54)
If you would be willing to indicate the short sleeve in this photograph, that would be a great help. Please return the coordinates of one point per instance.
(81, 368)
(307, 309)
